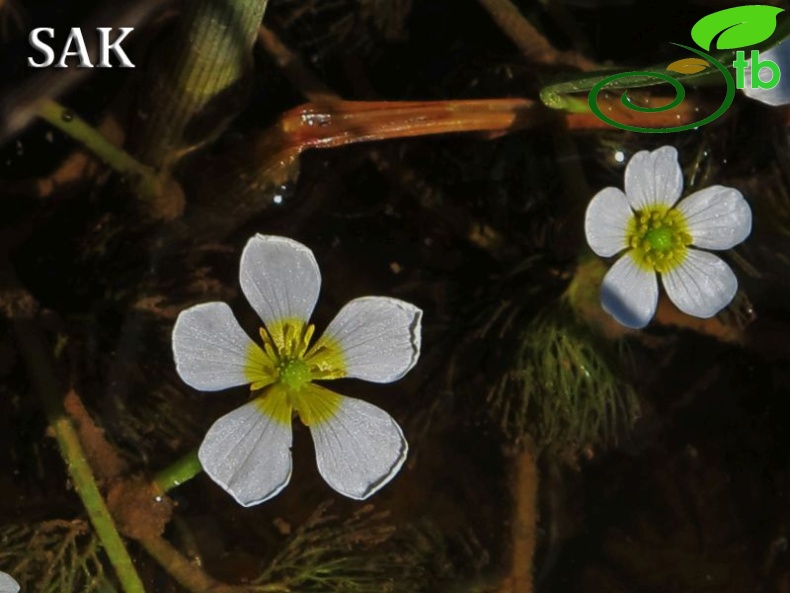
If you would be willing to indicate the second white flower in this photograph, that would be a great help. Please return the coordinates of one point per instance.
(659, 236)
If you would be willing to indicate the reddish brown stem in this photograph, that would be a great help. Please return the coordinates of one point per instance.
(524, 521)
(685, 113)
(337, 123)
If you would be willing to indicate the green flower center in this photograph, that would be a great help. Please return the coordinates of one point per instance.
(658, 237)
(294, 373)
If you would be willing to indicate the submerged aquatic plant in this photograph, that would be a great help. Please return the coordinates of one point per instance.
(359, 447)
(659, 236)
(51, 557)
(562, 388)
(368, 552)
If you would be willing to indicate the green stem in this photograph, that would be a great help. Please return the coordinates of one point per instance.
(36, 356)
(179, 472)
(118, 159)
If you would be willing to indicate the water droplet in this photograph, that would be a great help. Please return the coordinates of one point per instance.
(67, 115)
(316, 119)
(281, 195)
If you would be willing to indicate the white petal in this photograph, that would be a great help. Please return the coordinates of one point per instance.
(248, 453)
(210, 348)
(718, 217)
(653, 178)
(629, 293)
(606, 222)
(7, 584)
(360, 449)
(280, 278)
(702, 285)
(379, 338)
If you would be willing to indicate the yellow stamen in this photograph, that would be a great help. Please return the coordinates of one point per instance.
(326, 359)
(658, 237)
(259, 369)
(286, 367)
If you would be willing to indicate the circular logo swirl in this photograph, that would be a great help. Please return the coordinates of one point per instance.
(680, 94)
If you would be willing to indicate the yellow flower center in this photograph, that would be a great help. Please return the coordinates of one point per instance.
(659, 238)
(285, 368)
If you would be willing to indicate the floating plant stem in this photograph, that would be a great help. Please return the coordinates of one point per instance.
(339, 123)
(270, 159)
(179, 472)
(119, 160)
(35, 354)
(346, 122)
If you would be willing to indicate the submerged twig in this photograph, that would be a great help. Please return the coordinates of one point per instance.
(523, 522)
(528, 39)
(294, 68)
(187, 574)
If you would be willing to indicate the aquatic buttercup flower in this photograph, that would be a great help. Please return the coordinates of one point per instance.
(8, 584)
(359, 447)
(660, 236)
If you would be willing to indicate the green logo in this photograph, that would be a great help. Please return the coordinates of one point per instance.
(732, 28)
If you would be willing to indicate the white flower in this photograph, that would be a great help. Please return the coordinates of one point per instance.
(660, 237)
(8, 584)
(359, 447)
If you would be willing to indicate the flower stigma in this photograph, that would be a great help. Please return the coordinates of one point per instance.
(658, 237)
(284, 369)
(294, 373)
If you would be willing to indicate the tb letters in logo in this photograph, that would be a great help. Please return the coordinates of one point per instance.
(731, 28)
